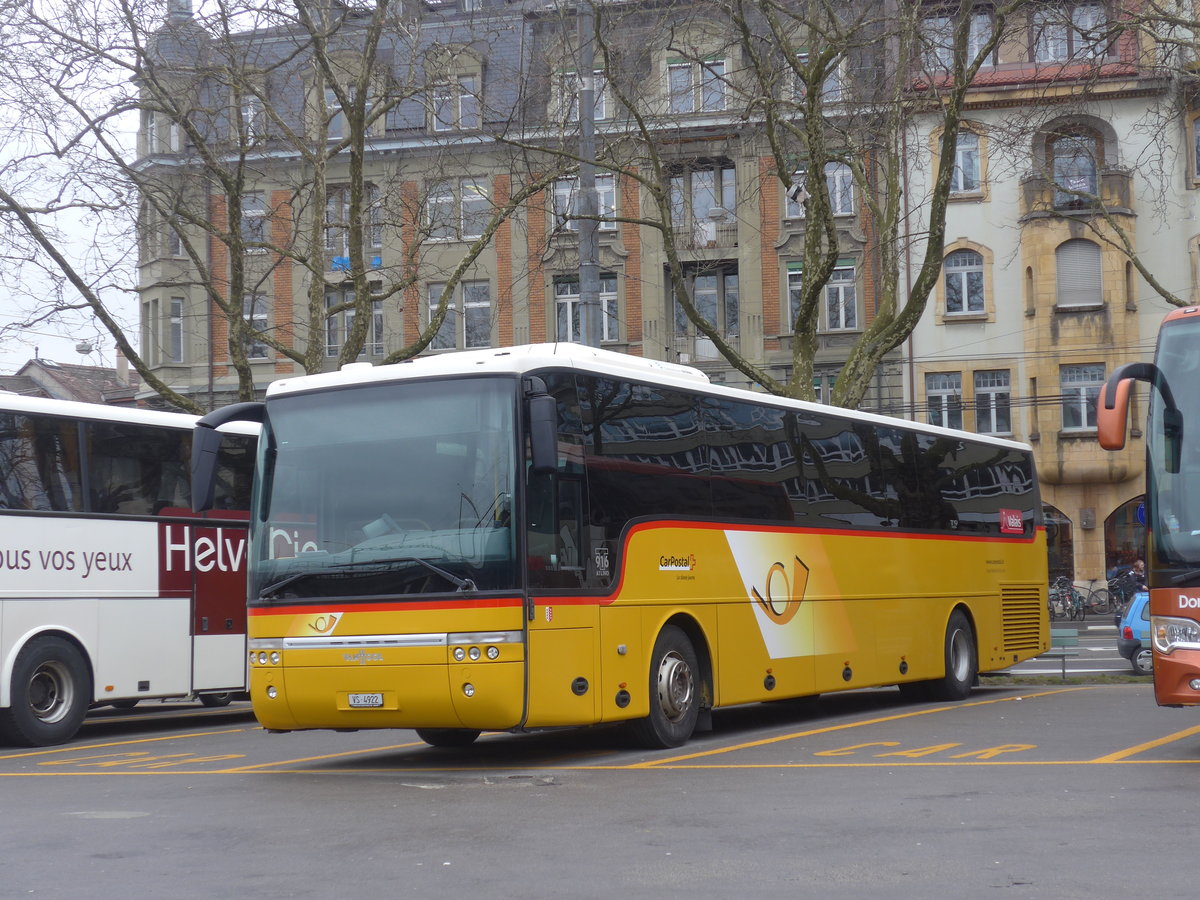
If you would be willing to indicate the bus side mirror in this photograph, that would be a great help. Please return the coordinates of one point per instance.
(1112, 414)
(206, 446)
(543, 437)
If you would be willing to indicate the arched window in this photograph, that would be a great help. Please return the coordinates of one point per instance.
(1060, 545)
(964, 282)
(1079, 281)
(1125, 534)
(1075, 159)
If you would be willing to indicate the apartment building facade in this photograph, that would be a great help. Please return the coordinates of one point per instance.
(1075, 156)
(1036, 301)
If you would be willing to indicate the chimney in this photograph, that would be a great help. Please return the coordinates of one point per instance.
(122, 368)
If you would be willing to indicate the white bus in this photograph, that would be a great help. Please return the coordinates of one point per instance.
(111, 589)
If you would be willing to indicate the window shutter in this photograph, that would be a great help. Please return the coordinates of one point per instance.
(1079, 284)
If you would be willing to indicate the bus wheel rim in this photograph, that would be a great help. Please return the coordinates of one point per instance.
(676, 686)
(960, 655)
(50, 692)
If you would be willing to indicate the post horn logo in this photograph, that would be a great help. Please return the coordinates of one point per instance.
(783, 595)
(324, 623)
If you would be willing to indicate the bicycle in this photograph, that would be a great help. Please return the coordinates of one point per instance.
(1098, 601)
(1066, 600)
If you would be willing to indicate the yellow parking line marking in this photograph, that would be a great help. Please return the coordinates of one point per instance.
(1149, 745)
(78, 748)
(651, 764)
(289, 762)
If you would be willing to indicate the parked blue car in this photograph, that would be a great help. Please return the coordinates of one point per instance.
(1133, 634)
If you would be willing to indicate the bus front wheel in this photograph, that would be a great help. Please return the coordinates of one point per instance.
(674, 692)
(448, 737)
(51, 692)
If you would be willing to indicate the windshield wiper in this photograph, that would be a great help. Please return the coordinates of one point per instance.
(463, 584)
(272, 589)
(269, 592)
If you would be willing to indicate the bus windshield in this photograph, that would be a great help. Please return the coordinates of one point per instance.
(1173, 486)
(386, 489)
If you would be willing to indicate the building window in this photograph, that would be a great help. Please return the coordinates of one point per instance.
(174, 242)
(839, 181)
(254, 311)
(337, 223)
(823, 385)
(1075, 161)
(457, 210)
(992, 402)
(568, 200)
(685, 77)
(468, 321)
(338, 324)
(716, 296)
(150, 344)
(965, 178)
(703, 205)
(253, 119)
(840, 310)
(1078, 273)
(943, 394)
(1064, 31)
(1196, 148)
(841, 300)
(1080, 390)
(937, 33)
(833, 86)
(254, 221)
(456, 105)
(964, 283)
(569, 313)
(175, 331)
(568, 91)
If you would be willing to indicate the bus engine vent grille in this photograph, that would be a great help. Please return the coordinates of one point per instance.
(1021, 608)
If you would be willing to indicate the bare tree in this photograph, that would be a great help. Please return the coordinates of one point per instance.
(256, 166)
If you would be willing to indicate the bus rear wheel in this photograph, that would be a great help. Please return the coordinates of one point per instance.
(448, 737)
(961, 662)
(674, 692)
(51, 693)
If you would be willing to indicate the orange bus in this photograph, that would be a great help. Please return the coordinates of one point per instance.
(1172, 514)
(556, 535)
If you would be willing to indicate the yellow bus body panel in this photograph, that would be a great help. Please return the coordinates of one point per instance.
(773, 612)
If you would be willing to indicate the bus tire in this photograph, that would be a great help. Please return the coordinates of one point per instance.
(51, 693)
(124, 704)
(674, 692)
(961, 661)
(448, 737)
(214, 700)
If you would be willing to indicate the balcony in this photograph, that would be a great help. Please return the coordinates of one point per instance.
(693, 349)
(1110, 189)
(716, 232)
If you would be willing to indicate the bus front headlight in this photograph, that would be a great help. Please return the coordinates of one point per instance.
(1170, 633)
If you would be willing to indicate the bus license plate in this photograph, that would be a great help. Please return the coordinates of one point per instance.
(360, 701)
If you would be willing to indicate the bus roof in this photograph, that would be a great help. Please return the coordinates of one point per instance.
(99, 412)
(531, 358)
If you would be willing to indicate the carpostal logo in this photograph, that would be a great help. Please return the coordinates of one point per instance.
(677, 563)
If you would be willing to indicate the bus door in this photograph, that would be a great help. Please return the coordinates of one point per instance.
(208, 564)
(563, 631)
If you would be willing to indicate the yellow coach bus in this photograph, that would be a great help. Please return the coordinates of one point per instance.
(557, 535)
